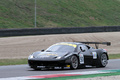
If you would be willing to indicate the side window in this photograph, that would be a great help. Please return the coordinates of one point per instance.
(79, 50)
(82, 48)
(88, 46)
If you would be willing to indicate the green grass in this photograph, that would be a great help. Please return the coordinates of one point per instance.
(12, 61)
(24, 61)
(59, 13)
(114, 56)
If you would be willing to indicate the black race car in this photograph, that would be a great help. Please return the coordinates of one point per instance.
(70, 54)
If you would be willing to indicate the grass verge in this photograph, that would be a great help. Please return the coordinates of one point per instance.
(114, 56)
(12, 61)
(24, 61)
(59, 13)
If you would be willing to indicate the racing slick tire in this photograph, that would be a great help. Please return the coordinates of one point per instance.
(102, 60)
(74, 62)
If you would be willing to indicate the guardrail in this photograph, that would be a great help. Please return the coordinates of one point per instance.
(43, 31)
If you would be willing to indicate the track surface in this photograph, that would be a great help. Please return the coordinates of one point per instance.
(24, 70)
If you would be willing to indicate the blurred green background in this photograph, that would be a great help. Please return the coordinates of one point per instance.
(59, 13)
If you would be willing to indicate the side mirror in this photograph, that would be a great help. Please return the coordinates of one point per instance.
(42, 50)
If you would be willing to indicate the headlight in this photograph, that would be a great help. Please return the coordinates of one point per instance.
(30, 57)
(58, 57)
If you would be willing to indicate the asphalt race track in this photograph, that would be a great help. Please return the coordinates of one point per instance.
(24, 70)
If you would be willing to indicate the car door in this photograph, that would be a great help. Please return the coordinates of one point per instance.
(85, 55)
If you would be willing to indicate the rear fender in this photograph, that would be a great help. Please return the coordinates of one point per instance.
(105, 52)
(99, 54)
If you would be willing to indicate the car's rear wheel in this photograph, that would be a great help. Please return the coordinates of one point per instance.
(74, 62)
(103, 61)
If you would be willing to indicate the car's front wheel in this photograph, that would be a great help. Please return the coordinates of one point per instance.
(74, 62)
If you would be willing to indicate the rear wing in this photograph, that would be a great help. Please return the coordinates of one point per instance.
(97, 43)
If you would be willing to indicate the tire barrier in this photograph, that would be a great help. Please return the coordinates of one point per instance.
(44, 31)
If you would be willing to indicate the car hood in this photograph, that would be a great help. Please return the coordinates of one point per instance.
(51, 55)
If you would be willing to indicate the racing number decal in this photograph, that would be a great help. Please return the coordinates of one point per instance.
(81, 56)
(94, 55)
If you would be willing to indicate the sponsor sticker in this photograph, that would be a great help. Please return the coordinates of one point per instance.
(94, 55)
(81, 56)
(49, 54)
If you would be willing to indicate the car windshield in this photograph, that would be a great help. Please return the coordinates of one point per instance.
(60, 48)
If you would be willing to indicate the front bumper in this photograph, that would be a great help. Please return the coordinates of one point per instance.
(53, 63)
